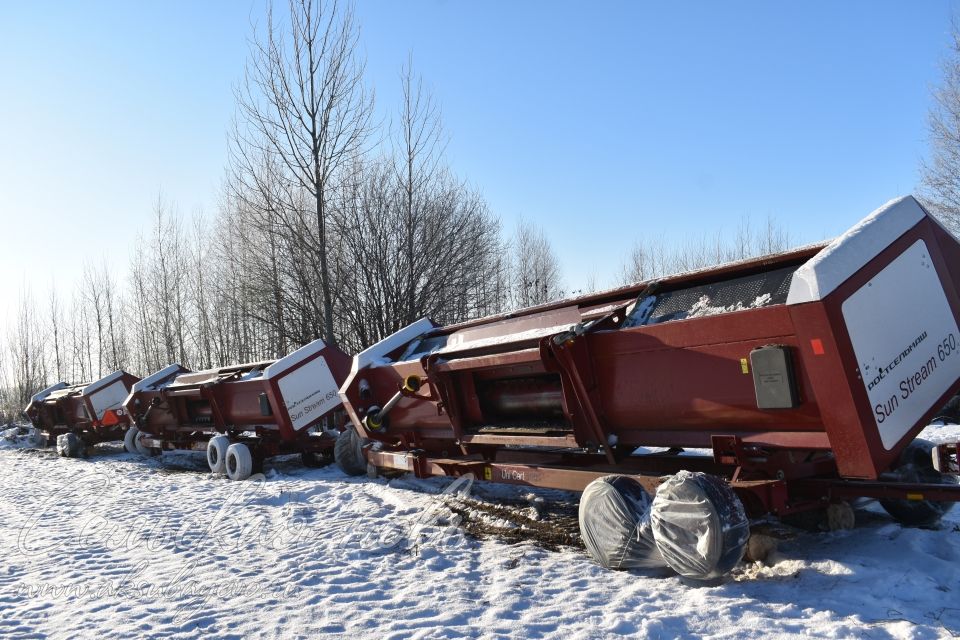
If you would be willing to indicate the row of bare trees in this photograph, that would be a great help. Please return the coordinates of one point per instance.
(651, 258)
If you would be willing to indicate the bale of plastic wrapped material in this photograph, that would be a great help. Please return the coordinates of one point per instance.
(615, 523)
(69, 445)
(699, 525)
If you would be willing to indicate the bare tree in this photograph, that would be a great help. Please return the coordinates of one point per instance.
(8, 408)
(457, 248)
(304, 103)
(414, 240)
(647, 259)
(92, 296)
(166, 277)
(199, 293)
(417, 154)
(651, 258)
(56, 333)
(28, 372)
(941, 172)
(536, 270)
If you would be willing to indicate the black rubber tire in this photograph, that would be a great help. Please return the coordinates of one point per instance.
(348, 453)
(916, 465)
(614, 520)
(315, 460)
(950, 413)
(699, 524)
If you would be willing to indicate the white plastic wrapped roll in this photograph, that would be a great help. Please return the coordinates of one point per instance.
(615, 523)
(699, 525)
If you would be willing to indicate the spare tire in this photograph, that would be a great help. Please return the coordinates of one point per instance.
(699, 525)
(916, 465)
(615, 524)
(348, 452)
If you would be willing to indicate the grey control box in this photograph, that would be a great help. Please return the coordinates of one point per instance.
(773, 378)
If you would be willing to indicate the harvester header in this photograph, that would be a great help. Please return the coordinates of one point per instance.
(799, 377)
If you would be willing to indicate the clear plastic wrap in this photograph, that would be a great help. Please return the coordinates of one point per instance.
(69, 445)
(699, 525)
(615, 524)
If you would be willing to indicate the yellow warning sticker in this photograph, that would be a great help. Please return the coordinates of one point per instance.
(744, 365)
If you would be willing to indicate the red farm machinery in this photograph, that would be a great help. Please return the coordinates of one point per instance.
(243, 413)
(77, 416)
(687, 406)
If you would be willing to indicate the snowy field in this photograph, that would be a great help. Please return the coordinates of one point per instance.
(117, 546)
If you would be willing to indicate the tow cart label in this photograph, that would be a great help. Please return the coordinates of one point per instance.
(906, 340)
(309, 392)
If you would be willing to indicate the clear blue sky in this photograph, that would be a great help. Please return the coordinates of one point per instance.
(603, 122)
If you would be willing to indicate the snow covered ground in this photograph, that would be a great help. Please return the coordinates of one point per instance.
(117, 546)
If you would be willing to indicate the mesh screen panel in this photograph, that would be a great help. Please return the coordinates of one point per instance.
(746, 292)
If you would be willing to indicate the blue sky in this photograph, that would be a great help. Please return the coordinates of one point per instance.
(602, 122)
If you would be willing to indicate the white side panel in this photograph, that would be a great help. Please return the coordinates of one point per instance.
(309, 392)
(153, 379)
(109, 397)
(291, 359)
(102, 382)
(41, 396)
(374, 353)
(850, 252)
(906, 340)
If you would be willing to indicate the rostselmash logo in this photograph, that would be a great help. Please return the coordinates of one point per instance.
(903, 354)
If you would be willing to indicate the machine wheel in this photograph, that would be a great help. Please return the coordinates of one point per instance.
(916, 465)
(141, 448)
(950, 413)
(348, 452)
(130, 440)
(217, 453)
(239, 461)
(69, 445)
(315, 460)
(615, 523)
(699, 525)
